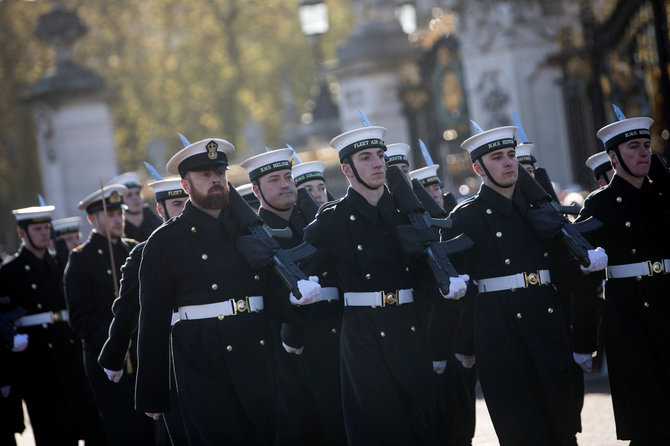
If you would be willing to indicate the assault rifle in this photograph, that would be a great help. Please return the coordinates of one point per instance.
(307, 204)
(266, 250)
(555, 221)
(437, 253)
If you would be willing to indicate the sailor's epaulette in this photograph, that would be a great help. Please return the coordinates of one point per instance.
(79, 248)
(465, 203)
(329, 205)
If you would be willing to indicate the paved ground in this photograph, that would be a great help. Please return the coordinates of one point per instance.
(597, 420)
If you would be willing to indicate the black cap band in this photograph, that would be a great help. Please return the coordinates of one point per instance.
(31, 221)
(66, 230)
(397, 159)
(268, 168)
(215, 161)
(526, 159)
(627, 136)
(114, 201)
(171, 194)
(604, 167)
(362, 145)
(309, 176)
(491, 147)
(430, 180)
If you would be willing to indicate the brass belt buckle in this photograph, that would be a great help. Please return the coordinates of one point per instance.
(56, 316)
(531, 278)
(390, 298)
(240, 306)
(655, 267)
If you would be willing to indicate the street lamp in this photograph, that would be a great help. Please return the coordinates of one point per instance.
(405, 12)
(313, 16)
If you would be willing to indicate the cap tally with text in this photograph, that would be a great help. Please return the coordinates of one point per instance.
(599, 163)
(524, 153)
(34, 214)
(311, 170)
(427, 175)
(113, 194)
(168, 189)
(208, 154)
(246, 191)
(359, 139)
(397, 153)
(128, 179)
(621, 131)
(66, 225)
(267, 162)
(489, 141)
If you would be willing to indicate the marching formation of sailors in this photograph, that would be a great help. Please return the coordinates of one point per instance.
(275, 314)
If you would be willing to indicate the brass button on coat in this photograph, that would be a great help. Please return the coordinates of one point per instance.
(100, 251)
(359, 247)
(382, 334)
(498, 234)
(628, 225)
(646, 305)
(33, 286)
(352, 217)
(204, 256)
(27, 267)
(262, 342)
(333, 330)
(368, 276)
(619, 199)
(229, 348)
(413, 328)
(519, 315)
(215, 287)
(193, 229)
(507, 261)
(39, 306)
(550, 310)
(633, 251)
(489, 211)
(257, 277)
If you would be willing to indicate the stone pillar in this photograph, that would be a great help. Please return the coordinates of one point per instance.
(505, 46)
(368, 66)
(75, 131)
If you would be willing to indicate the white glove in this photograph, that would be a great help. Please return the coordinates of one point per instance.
(4, 391)
(598, 258)
(20, 343)
(114, 375)
(439, 366)
(310, 290)
(289, 349)
(153, 415)
(457, 287)
(584, 360)
(467, 361)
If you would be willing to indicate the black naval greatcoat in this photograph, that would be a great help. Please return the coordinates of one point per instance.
(387, 392)
(123, 334)
(519, 337)
(150, 222)
(89, 290)
(637, 332)
(310, 407)
(49, 373)
(221, 365)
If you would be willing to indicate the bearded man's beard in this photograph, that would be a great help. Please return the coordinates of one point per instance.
(209, 201)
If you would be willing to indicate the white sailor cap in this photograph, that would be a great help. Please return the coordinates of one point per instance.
(208, 154)
(359, 139)
(34, 214)
(427, 175)
(311, 170)
(246, 191)
(128, 179)
(621, 131)
(397, 153)
(599, 163)
(523, 153)
(113, 194)
(168, 188)
(489, 141)
(267, 162)
(65, 225)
